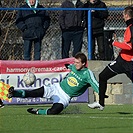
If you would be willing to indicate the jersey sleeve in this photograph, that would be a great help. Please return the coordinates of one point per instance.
(127, 43)
(123, 45)
(66, 65)
(92, 81)
(70, 66)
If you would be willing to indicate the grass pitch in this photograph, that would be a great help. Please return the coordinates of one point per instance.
(76, 118)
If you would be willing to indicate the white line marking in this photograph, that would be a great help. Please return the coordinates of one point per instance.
(121, 118)
(91, 117)
(62, 116)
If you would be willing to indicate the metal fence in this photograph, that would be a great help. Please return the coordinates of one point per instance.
(11, 42)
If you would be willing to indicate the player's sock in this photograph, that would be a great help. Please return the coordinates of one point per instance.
(42, 112)
(19, 93)
(37, 111)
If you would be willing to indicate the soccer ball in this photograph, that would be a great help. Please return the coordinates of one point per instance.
(29, 78)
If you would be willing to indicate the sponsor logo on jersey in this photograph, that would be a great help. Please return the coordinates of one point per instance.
(76, 75)
(72, 81)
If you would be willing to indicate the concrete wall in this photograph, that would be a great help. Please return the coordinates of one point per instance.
(119, 88)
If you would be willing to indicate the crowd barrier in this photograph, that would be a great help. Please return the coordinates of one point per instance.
(11, 72)
(89, 38)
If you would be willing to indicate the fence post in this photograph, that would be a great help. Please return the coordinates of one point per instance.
(89, 36)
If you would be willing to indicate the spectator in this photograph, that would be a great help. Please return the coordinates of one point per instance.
(98, 18)
(122, 64)
(33, 24)
(71, 24)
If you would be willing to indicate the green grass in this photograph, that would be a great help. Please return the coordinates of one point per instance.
(77, 118)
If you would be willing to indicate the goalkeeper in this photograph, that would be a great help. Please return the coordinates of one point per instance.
(73, 85)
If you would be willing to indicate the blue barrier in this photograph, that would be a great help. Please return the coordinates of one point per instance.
(56, 9)
(89, 18)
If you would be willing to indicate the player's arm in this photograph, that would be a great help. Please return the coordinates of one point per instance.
(127, 43)
(92, 81)
(123, 45)
(66, 65)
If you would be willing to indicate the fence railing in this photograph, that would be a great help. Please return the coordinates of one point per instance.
(114, 10)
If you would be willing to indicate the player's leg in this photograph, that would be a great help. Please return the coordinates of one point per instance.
(26, 93)
(103, 77)
(60, 99)
(1, 101)
(114, 68)
(118, 66)
(128, 66)
(54, 110)
(1, 104)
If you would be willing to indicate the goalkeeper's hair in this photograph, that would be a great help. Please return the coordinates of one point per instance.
(82, 56)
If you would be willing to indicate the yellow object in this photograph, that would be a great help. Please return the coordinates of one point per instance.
(4, 91)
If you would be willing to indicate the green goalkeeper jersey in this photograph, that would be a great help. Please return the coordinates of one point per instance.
(77, 81)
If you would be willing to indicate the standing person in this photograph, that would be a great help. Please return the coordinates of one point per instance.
(123, 63)
(33, 24)
(98, 22)
(71, 24)
(73, 85)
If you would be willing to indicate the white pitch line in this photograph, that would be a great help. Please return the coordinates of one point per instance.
(62, 116)
(91, 117)
(121, 118)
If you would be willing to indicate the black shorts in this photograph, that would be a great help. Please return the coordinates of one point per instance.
(120, 66)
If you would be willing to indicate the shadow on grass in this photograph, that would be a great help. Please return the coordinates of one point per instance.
(125, 113)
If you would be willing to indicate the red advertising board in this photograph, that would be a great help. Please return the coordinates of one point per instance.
(11, 72)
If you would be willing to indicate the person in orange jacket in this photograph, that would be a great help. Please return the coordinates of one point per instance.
(122, 64)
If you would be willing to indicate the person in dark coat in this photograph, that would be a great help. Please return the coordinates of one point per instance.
(33, 24)
(71, 24)
(98, 22)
